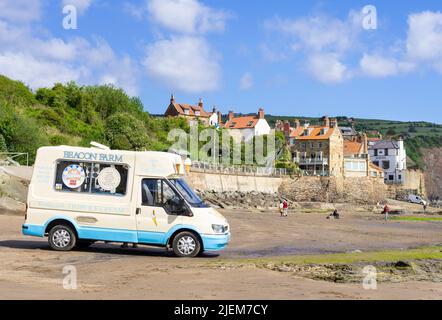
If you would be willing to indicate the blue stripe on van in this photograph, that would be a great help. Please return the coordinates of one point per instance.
(32, 230)
(103, 234)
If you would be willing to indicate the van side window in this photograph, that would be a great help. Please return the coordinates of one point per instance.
(92, 178)
(157, 193)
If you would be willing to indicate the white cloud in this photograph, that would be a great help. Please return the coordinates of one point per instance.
(36, 72)
(185, 63)
(20, 11)
(42, 61)
(325, 42)
(186, 16)
(80, 5)
(379, 66)
(424, 40)
(246, 81)
(327, 68)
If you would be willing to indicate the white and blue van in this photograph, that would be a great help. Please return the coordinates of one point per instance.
(78, 196)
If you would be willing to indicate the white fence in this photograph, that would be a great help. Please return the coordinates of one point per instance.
(238, 170)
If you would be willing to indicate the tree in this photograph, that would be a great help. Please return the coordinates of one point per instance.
(125, 132)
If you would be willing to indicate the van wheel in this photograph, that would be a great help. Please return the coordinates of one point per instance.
(62, 238)
(186, 244)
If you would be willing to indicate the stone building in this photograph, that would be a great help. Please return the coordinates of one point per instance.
(319, 149)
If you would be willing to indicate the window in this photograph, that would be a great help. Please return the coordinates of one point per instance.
(233, 124)
(391, 177)
(250, 123)
(376, 163)
(188, 194)
(186, 111)
(399, 177)
(158, 193)
(386, 165)
(197, 113)
(94, 178)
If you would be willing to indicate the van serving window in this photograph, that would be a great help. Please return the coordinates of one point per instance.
(89, 177)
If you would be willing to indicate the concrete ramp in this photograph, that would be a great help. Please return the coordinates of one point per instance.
(22, 172)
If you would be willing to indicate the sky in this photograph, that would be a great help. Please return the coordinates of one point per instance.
(366, 59)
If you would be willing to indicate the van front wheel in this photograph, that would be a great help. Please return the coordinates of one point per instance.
(62, 238)
(186, 244)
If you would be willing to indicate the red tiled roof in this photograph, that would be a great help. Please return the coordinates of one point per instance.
(181, 107)
(314, 133)
(352, 147)
(242, 122)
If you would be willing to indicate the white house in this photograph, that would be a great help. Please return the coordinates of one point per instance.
(391, 156)
(245, 128)
(215, 118)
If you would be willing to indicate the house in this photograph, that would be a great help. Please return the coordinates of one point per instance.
(245, 128)
(188, 111)
(390, 155)
(318, 150)
(356, 158)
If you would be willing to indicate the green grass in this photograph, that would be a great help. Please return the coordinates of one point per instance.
(417, 218)
(428, 253)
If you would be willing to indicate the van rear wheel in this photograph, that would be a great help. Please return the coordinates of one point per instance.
(62, 238)
(186, 244)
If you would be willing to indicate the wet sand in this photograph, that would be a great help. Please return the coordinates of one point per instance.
(29, 270)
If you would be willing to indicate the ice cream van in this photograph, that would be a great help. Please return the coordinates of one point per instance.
(79, 196)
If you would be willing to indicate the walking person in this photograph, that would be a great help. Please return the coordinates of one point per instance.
(285, 208)
(386, 212)
(281, 208)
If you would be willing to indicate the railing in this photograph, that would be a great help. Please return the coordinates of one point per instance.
(8, 159)
(311, 161)
(238, 170)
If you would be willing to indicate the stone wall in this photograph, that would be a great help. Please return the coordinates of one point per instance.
(334, 189)
(233, 183)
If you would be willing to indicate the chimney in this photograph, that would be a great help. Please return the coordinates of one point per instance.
(231, 115)
(200, 103)
(220, 118)
(286, 128)
(297, 123)
(326, 121)
(333, 122)
(214, 109)
(364, 143)
(172, 98)
(261, 114)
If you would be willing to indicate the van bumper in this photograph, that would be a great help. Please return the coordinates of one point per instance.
(215, 242)
(34, 231)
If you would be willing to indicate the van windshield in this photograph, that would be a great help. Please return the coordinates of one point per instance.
(188, 194)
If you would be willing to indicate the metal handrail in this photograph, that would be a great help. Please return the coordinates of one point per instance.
(11, 157)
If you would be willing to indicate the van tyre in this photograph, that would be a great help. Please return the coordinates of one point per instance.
(186, 245)
(62, 238)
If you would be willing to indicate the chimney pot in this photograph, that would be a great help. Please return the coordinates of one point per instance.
(261, 114)
(231, 115)
(326, 121)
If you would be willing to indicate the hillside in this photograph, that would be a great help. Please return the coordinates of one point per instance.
(74, 115)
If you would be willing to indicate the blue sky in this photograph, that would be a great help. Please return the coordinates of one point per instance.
(305, 58)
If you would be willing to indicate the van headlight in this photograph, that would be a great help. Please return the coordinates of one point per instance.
(218, 228)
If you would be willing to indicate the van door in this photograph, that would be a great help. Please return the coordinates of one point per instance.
(155, 211)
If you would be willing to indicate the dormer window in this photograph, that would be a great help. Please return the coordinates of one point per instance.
(306, 132)
(250, 123)
(233, 124)
(186, 111)
(197, 113)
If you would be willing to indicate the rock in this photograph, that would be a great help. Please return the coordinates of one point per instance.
(402, 265)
